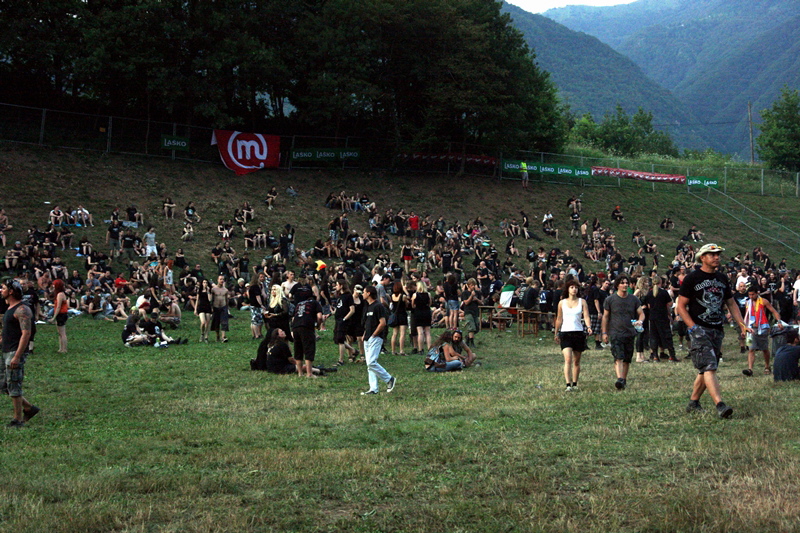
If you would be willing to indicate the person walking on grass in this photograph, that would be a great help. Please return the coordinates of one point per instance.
(219, 309)
(703, 295)
(375, 315)
(622, 315)
(17, 327)
(569, 331)
(757, 324)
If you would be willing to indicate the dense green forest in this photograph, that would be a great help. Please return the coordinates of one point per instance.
(416, 70)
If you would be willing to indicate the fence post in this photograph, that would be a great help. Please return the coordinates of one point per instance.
(291, 151)
(725, 180)
(797, 184)
(108, 135)
(762, 181)
(449, 151)
(174, 133)
(41, 128)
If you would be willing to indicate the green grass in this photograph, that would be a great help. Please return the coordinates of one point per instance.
(188, 439)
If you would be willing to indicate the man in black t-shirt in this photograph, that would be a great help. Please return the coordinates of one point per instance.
(704, 294)
(375, 316)
(344, 314)
(307, 317)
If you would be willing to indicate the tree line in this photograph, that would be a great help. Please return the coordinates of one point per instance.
(412, 70)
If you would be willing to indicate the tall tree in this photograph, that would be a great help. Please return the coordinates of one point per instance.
(779, 140)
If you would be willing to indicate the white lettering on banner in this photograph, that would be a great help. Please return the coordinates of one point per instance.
(349, 154)
(246, 149)
(548, 169)
(565, 171)
(174, 142)
(326, 154)
(579, 172)
(298, 155)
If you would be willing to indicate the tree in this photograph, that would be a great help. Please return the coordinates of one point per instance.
(779, 140)
(621, 134)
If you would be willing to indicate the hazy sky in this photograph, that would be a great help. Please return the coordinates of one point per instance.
(539, 6)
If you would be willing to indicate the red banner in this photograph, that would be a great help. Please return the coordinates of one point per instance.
(637, 175)
(470, 158)
(247, 152)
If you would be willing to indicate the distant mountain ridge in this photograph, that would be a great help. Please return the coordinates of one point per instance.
(592, 77)
(714, 55)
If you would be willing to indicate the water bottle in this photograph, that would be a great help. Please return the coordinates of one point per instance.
(637, 326)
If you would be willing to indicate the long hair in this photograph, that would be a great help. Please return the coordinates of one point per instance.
(58, 287)
(276, 296)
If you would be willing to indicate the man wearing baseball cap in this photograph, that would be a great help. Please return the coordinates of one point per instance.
(703, 296)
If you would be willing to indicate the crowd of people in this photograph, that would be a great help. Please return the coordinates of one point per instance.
(377, 286)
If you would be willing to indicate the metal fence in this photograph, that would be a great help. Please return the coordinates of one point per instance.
(63, 129)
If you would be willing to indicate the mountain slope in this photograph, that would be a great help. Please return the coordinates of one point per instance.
(714, 55)
(591, 77)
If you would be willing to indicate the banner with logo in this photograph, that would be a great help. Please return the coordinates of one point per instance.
(702, 181)
(637, 175)
(247, 152)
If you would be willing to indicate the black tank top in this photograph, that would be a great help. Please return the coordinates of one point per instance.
(12, 332)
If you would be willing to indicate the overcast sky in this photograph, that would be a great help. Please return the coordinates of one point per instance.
(539, 6)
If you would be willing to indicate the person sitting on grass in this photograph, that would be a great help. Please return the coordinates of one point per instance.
(449, 353)
(785, 364)
(617, 215)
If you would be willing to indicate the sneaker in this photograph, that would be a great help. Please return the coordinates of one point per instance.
(30, 413)
(568, 389)
(747, 372)
(654, 358)
(620, 384)
(680, 346)
(674, 359)
(723, 410)
(369, 392)
(742, 349)
(694, 407)
(414, 351)
(390, 384)
(15, 424)
(768, 371)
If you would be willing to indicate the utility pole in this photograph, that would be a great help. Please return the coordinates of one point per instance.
(750, 123)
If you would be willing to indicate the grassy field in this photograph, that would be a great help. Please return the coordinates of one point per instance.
(189, 439)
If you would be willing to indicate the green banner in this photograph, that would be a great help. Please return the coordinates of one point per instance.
(325, 154)
(514, 165)
(701, 181)
(171, 142)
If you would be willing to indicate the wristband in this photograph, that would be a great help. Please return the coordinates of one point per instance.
(691, 329)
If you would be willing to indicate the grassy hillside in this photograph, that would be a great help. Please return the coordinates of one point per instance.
(32, 176)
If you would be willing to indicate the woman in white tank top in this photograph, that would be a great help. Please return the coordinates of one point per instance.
(570, 333)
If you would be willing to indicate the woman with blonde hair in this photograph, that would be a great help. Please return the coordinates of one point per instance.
(570, 333)
(277, 312)
(421, 311)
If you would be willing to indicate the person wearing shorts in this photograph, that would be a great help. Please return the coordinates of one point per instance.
(569, 332)
(219, 309)
(703, 296)
(470, 302)
(757, 323)
(306, 319)
(621, 313)
(17, 327)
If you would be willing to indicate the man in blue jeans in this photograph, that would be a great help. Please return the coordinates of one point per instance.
(375, 315)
